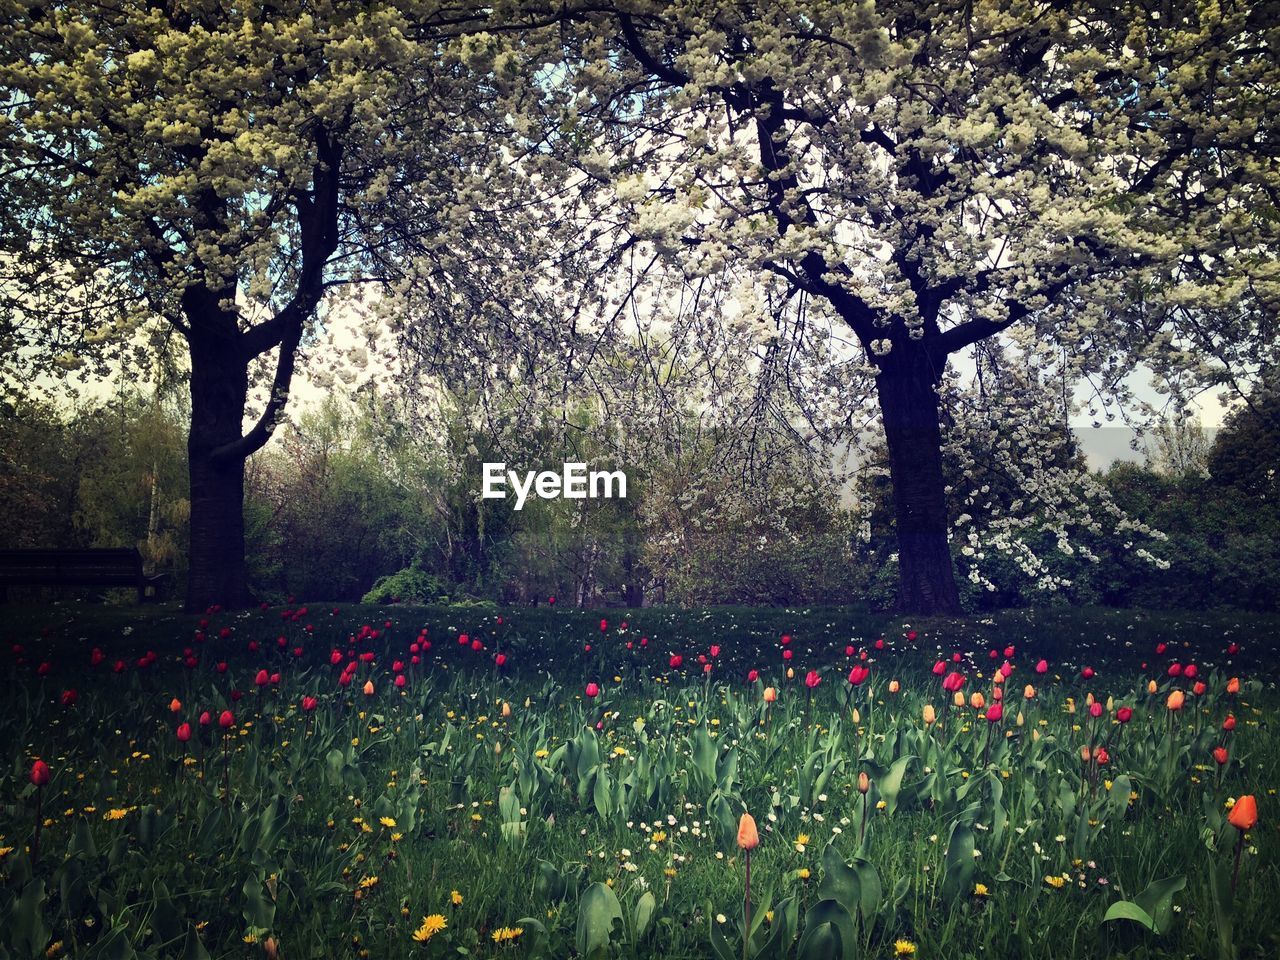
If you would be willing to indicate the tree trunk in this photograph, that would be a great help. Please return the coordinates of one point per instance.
(219, 391)
(909, 408)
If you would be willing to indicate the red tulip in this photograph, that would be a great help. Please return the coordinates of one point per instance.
(911, 635)
(1198, 688)
(226, 720)
(205, 719)
(753, 676)
(184, 732)
(812, 679)
(500, 659)
(69, 698)
(786, 639)
(939, 668)
(1102, 756)
(604, 625)
(1161, 647)
(1095, 709)
(593, 690)
(309, 704)
(994, 713)
(1042, 666)
(1175, 669)
(715, 650)
(675, 661)
(788, 654)
(1220, 754)
(1191, 671)
(1008, 652)
(1229, 724)
(40, 773)
(1087, 673)
(1124, 714)
(858, 673)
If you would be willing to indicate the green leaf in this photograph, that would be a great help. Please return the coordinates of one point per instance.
(1128, 910)
(1153, 907)
(957, 879)
(890, 785)
(192, 948)
(1157, 901)
(646, 907)
(597, 911)
(840, 882)
(828, 927)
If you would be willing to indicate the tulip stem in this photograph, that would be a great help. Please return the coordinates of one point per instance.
(35, 842)
(1235, 871)
(746, 908)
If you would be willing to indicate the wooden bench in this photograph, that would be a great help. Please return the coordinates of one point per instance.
(76, 568)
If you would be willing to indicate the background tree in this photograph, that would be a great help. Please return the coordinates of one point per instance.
(1246, 452)
(1087, 184)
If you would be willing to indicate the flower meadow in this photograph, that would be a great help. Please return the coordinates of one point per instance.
(431, 782)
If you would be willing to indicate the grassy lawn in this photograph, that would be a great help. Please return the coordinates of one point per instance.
(603, 819)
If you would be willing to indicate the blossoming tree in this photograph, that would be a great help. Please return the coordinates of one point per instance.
(214, 170)
(1093, 187)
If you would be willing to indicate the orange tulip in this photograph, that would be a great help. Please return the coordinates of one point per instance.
(368, 688)
(893, 686)
(175, 705)
(977, 701)
(1151, 686)
(791, 673)
(958, 699)
(748, 836)
(864, 782)
(1244, 814)
(930, 715)
(1029, 692)
(1176, 700)
(1085, 754)
(770, 694)
(1233, 685)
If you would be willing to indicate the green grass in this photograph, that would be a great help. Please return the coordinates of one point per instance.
(526, 815)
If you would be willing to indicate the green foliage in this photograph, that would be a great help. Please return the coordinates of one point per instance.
(411, 585)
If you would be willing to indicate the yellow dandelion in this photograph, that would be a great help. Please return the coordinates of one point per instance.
(980, 890)
(1056, 882)
(430, 927)
(117, 814)
(388, 822)
(368, 883)
(904, 948)
(507, 934)
(455, 898)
